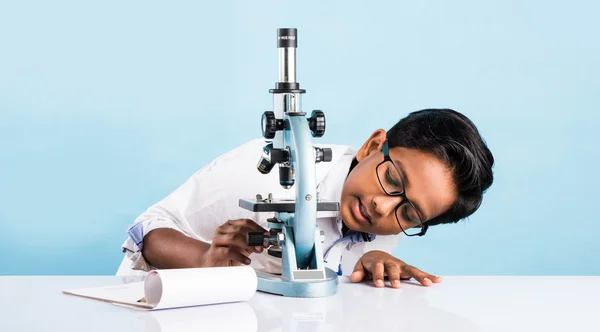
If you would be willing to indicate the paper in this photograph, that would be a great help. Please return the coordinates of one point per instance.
(164, 289)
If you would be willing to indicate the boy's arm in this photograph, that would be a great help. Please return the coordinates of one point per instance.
(167, 248)
(195, 210)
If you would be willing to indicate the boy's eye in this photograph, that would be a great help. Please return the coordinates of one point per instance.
(392, 177)
(409, 214)
(405, 212)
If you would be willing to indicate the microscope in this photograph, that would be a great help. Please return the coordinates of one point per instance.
(293, 233)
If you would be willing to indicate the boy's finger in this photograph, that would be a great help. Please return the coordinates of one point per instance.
(393, 272)
(419, 275)
(435, 279)
(252, 250)
(359, 272)
(247, 223)
(229, 228)
(377, 270)
(226, 229)
(230, 240)
(236, 255)
(407, 276)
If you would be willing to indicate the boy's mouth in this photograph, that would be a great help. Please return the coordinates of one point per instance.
(360, 213)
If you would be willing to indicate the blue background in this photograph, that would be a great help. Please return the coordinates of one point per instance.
(106, 108)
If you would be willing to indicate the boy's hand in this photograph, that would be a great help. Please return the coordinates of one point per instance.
(377, 264)
(228, 247)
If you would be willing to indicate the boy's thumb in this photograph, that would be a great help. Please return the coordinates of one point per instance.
(359, 273)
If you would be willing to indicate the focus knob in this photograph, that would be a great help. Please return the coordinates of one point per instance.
(269, 125)
(323, 154)
(327, 154)
(316, 123)
(254, 239)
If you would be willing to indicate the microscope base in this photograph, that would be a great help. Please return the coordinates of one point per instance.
(276, 284)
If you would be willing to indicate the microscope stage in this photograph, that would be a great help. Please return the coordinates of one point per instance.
(283, 205)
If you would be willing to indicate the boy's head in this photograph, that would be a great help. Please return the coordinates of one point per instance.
(437, 160)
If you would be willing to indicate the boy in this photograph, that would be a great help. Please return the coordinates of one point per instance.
(431, 168)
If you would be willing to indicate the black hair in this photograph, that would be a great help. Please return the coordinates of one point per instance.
(453, 138)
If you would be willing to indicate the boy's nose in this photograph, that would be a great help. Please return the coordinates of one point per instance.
(385, 205)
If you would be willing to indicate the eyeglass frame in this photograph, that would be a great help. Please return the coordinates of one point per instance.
(402, 194)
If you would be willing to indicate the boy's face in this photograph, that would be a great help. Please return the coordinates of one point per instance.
(428, 185)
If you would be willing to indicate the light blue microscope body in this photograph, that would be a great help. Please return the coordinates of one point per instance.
(294, 234)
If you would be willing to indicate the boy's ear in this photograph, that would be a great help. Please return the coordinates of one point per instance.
(373, 145)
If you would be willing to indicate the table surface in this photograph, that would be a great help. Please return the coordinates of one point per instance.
(457, 304)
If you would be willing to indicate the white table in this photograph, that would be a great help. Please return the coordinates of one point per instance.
(457, 304)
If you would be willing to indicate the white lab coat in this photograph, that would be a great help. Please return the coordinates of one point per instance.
(211, 196)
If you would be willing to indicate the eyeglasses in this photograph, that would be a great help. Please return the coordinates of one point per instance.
(392, 184)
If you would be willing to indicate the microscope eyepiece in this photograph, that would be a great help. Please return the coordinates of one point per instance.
(287, 43)
(287, 37)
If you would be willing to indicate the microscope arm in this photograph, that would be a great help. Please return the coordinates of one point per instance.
(303, 161)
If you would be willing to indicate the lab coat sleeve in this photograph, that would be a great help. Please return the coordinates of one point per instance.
(197, 207)
(183, 210)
